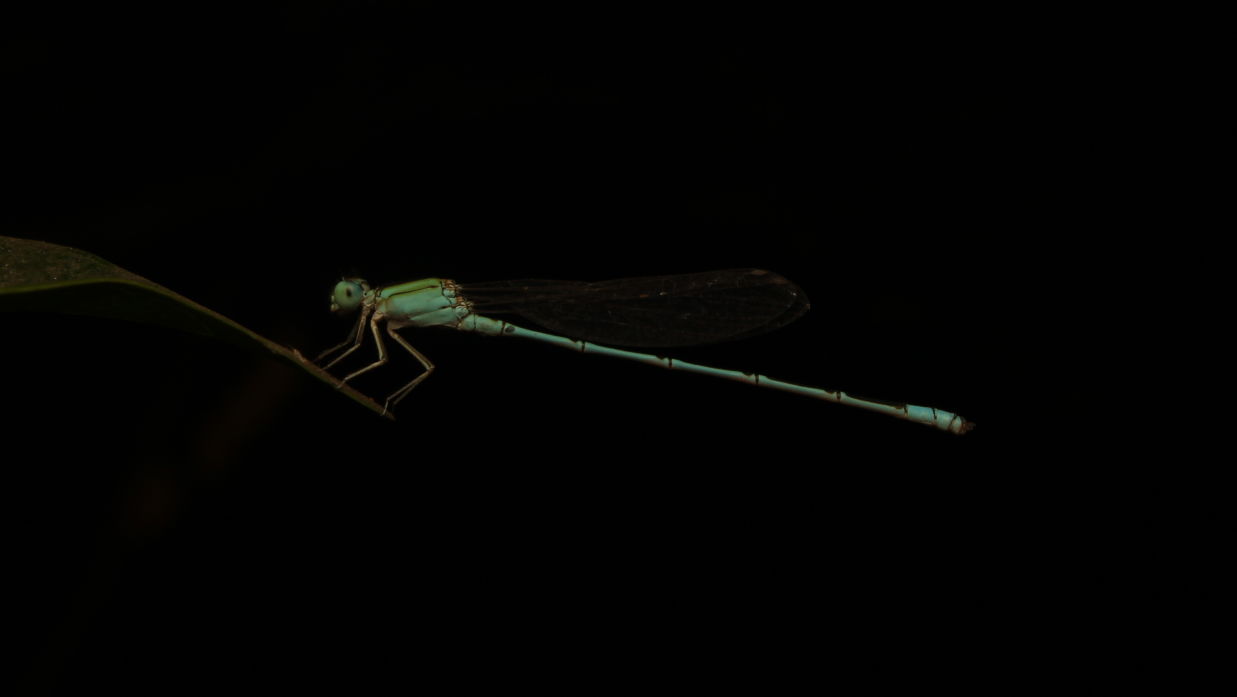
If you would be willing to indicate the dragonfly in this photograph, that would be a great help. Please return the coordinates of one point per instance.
(596, 317)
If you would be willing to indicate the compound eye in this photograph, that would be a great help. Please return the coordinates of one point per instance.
(347, 295)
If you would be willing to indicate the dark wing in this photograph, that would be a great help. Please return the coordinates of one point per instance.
(680, 310)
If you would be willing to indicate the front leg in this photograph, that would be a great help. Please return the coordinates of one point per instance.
(382, 349)
(355, 336)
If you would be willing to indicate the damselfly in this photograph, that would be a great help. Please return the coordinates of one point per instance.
(658, 311)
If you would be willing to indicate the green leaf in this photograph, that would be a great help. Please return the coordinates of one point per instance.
(42, 277)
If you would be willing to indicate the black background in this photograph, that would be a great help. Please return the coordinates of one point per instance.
(188, 513)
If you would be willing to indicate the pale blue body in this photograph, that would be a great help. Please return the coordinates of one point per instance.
(434, 302)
